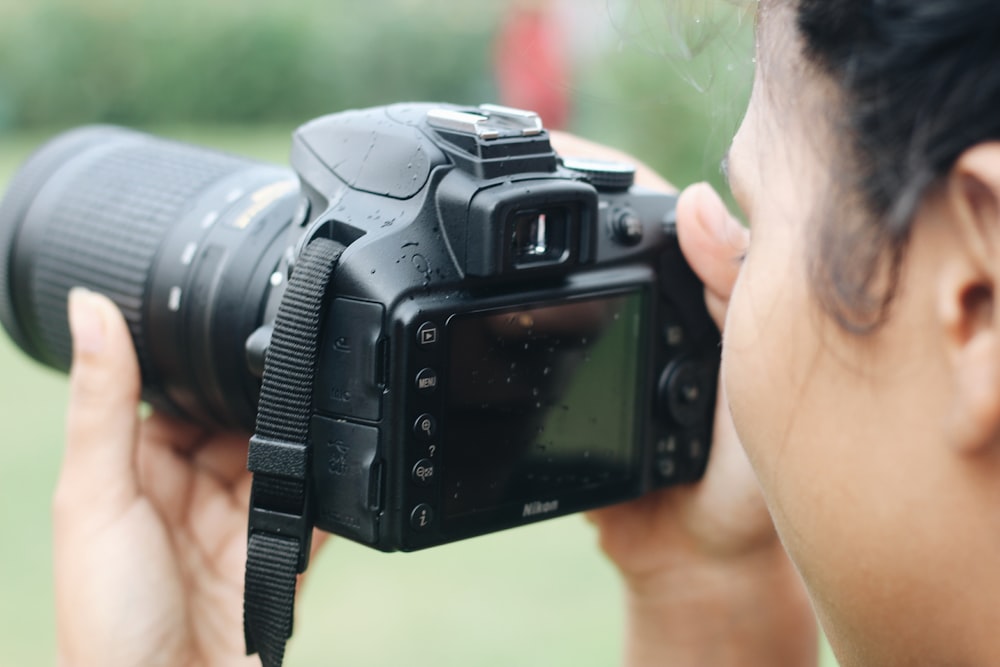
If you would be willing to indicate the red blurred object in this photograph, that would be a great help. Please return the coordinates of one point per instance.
(531, 62)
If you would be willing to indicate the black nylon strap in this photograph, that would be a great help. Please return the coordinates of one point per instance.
(280, 529)
(269, 597)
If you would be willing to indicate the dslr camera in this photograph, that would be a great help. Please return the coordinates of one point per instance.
(499, 335)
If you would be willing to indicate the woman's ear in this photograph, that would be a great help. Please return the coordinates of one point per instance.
(967, 299)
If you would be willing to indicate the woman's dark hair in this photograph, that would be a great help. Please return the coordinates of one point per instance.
(920, 84)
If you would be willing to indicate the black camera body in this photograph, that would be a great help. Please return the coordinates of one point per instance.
(508, 335)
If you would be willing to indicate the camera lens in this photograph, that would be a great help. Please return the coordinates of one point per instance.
(539, 236)
(183, 239)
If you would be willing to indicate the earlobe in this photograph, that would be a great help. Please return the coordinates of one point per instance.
(975, 415)
(967, 300)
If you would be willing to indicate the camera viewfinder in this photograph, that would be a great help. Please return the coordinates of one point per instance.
(540, 237)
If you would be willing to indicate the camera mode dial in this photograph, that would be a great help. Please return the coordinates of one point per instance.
(605, 175)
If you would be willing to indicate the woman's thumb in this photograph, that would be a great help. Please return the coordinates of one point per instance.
(102, 420)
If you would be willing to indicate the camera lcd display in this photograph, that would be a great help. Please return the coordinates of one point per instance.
(542, 403)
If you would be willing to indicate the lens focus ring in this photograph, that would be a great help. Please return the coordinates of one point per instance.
(91, 209)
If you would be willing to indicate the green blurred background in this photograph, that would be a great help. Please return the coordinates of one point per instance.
(663, 79)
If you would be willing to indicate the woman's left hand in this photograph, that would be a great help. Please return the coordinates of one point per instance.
(150, 518)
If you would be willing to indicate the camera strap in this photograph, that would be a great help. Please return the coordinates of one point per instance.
(281, 522)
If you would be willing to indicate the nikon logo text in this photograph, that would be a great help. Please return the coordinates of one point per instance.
(539, 507)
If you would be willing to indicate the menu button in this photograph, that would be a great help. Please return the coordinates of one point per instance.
(427, 380)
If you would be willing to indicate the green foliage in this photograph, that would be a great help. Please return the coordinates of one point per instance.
(65, 62)
(664, 80)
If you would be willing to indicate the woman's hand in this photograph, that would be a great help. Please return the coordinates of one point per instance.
(150, 518)
(723, 518)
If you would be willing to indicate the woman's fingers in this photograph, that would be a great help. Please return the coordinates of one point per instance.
(99, 463)
(714, 243)
(569, 145)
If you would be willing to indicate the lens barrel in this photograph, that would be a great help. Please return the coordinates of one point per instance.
(183, 239)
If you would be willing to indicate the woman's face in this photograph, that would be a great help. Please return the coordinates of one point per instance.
(846, 433)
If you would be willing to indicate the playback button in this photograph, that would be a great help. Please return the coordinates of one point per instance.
(427, 334)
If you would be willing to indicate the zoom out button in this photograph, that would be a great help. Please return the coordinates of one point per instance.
(423, 472)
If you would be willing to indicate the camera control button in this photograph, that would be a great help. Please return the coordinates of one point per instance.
(422, 517)
(425, 428)
(423, 472)
(626, 226)
(685, 392)
(667, 445)
(667, 467)
(427, 334)
(673, 335)
(426, 380)
(695, 447)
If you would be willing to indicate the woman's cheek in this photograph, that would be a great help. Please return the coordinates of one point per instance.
(734, 374)
(761, 356)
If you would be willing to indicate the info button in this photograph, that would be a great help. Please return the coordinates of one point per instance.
(422, 517)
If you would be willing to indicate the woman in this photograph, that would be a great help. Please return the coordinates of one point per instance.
(861, 361)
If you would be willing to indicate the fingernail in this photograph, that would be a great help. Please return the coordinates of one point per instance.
(85, 322)
(712, 212)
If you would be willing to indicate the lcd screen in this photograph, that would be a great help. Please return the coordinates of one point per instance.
(542, 402)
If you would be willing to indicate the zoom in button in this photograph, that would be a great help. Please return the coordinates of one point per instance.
(425, 428)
